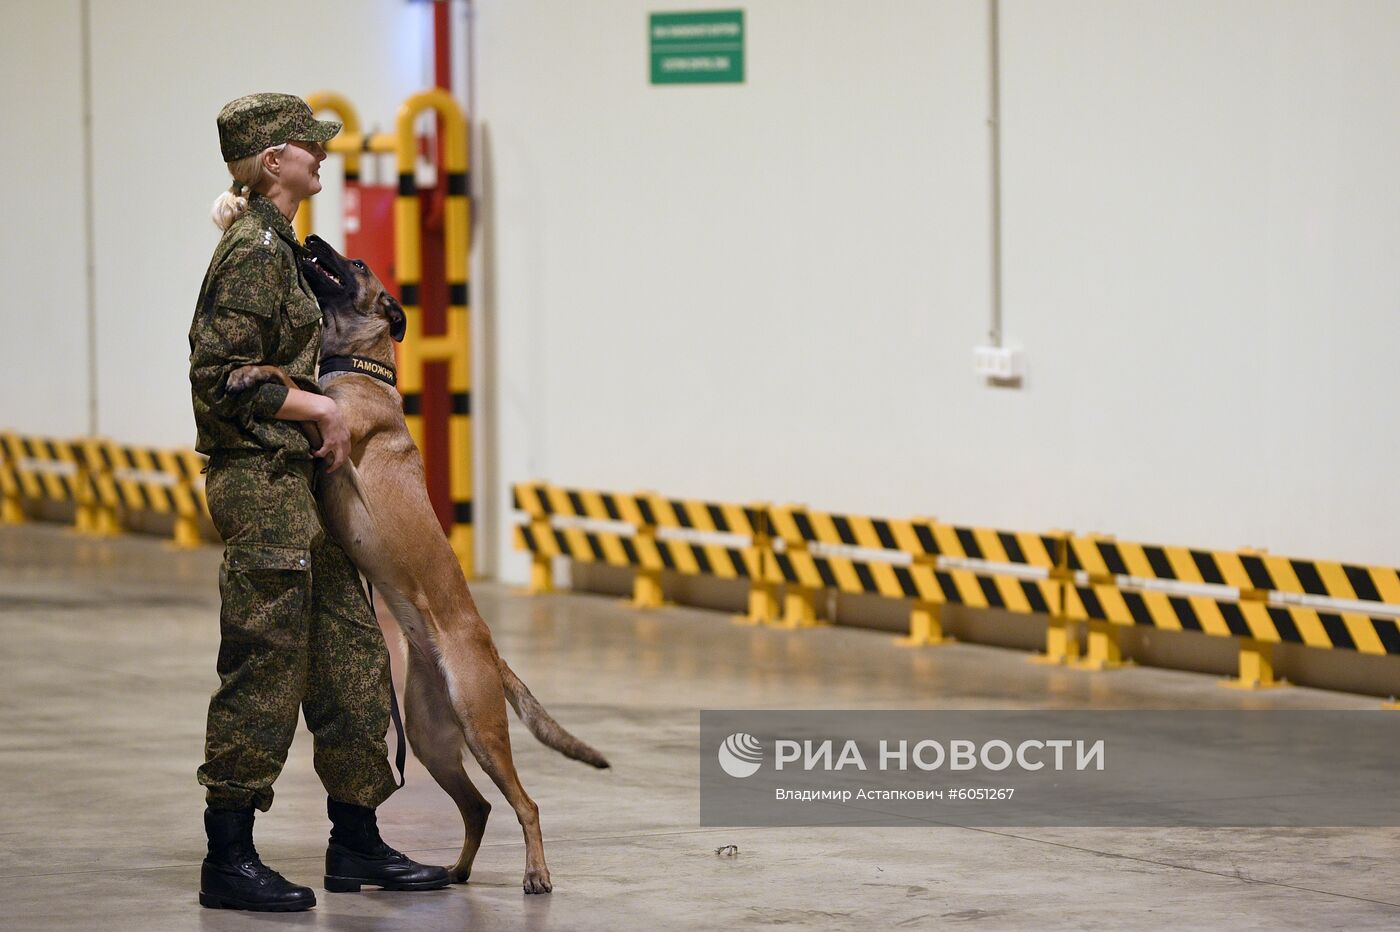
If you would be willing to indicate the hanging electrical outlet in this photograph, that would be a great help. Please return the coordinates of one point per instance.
(1003, 363)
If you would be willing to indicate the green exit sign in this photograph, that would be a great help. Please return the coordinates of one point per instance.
(703, 47)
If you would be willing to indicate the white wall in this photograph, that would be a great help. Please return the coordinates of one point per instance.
(43, 258)
(771, 291)
(736, 292)
(1202, 235)
(161, 71)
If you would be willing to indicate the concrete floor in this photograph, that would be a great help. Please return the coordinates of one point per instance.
(108, 662)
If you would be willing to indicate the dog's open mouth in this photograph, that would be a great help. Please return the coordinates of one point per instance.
(315, 263)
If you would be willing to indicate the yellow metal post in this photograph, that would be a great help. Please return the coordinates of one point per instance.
(85, 501)
(98, 462)
(11, 499)
(1061, 642)
(454, 347)
(925, 617)
(799, 607)
(799, 602)
(1256, 669)
(537, 536)
(646, 589)
(1102, 648)
(1061, 632)
(1103, 651)
(763, 582)
(925, 626)
(347, 142)
(646, 581)
(541, 564)
(183, 466)
(186, 530)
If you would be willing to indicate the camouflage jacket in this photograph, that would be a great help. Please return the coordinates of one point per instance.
(254, 309)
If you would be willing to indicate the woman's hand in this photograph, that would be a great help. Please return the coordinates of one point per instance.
(322, 411)
(335, 435)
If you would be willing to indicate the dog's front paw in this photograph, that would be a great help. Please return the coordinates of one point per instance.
(537, 881)
(244, 378)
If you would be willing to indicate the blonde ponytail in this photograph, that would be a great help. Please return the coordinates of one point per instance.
(246, 172)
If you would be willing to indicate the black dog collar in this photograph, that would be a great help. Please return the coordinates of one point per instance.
(361, 364)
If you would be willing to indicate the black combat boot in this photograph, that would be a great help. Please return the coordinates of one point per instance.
(233, 877)
(357, 855)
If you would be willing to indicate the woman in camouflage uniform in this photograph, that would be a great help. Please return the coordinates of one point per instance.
(297, 630)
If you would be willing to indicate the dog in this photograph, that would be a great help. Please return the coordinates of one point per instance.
(245, 377)
(457, 684)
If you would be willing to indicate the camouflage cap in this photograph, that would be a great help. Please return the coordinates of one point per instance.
(250, 124)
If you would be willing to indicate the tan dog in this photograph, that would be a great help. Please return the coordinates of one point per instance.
(457, 685)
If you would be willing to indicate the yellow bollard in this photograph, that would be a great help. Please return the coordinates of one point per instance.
(350, 132)
(1103, 651)
(799, 601)
(763, 573)
(541, 575)
(95, 461)
(1256, 657)
(537, 536)
(646, 581)
(184, 466)
(11, 507)
(763, 605)
(11, 510)
(800, 608)
(187, 520)
(1061, 632)
(541, 564)
(454, 347)
(1061, 642)
(1256, 667)
(11, 491)
(925, 626)
(85, 501)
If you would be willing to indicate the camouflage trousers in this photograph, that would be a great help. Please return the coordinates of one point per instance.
(297, 633)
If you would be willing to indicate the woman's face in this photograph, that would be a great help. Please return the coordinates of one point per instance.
(300, 165)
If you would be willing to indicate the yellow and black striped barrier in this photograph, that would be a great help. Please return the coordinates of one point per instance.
(800, 551)
(646, 546)
(684, 531)
(38, 469)
(1016, 571)
(1239, 594)
(11, 488)
(1092, 580)
(930, 563)
(544, 541)
(108, 483)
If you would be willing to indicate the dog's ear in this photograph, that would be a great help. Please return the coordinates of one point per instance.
(398, 323)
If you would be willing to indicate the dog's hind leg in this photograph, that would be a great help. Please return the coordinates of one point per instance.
(437, 740)
(471, 672)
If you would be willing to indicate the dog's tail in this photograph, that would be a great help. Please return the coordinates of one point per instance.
(542, 725)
